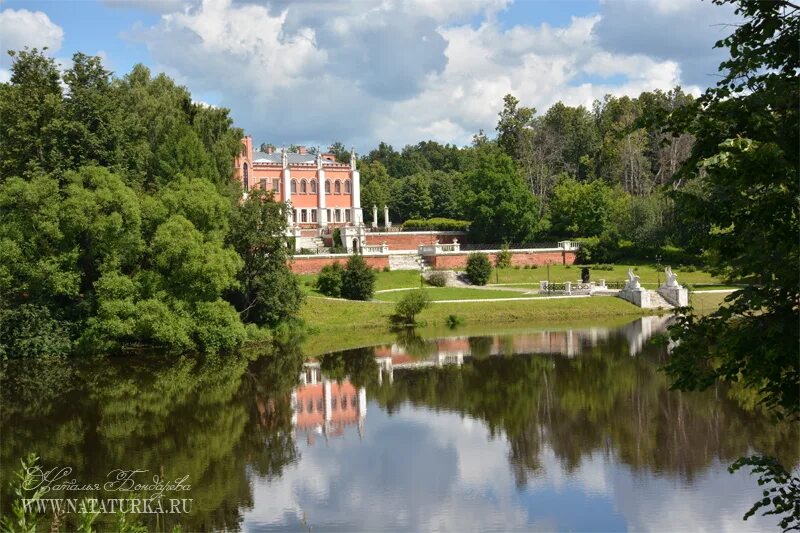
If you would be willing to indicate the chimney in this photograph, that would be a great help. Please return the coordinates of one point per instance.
(301, 150)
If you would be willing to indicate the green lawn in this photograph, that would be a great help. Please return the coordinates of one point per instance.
(648, 275)
(455, 293)
(340, 324)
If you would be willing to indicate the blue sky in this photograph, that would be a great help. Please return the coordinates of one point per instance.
(313, 71)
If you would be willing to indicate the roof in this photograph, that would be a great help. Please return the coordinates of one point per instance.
(294, 158)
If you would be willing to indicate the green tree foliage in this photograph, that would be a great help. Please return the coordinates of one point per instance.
(514, 119)
(503, 257)
(745, 165)
(410, 305)
(329, 280)
(586, 209)
(116, 209)
(479, 268)
(412, 197)
(268, 292)
(499, 204)
(358, 279)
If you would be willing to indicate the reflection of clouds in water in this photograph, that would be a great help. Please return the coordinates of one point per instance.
(420, 469)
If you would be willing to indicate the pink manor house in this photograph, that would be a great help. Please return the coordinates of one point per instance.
(321, 191)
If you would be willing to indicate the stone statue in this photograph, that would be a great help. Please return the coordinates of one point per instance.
(672, 279)
(633, 281)
(284, 158)
(353, 158)
(319, 159)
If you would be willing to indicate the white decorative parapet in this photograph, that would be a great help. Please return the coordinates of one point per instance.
(543, 285)
(376, 249)
(569, 245)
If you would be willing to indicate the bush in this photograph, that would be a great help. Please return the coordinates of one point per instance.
(435, 224)
(437, 279)
(336, 242)
(387, 269)
(605, 248)
(30, 331)
(503, 257)
(329, 281)
(454, 320)
(478, 268)
(358, 279)
(410, 305)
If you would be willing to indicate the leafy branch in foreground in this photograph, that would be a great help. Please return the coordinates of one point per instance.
(783, 496)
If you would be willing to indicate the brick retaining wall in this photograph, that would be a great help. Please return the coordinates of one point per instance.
(411, 240)
(311, 264)
(452, 260)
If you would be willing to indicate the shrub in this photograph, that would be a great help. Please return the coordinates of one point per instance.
(454, 320)
(30, 331)
(358, 279)
(478, 268)
(605, 248)
(503, 257)
(387, 269)
(336, 244)
(329, 281)
(435, 224)
(410, 305)
(437, 279)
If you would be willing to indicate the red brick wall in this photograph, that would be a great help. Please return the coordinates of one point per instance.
(411, 240)
(451, 261)
(311, 264)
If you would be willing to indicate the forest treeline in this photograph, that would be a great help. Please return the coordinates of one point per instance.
(120, 221)
(603, 173)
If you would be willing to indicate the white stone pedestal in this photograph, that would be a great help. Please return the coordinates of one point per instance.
(677, 296)
(639, 297)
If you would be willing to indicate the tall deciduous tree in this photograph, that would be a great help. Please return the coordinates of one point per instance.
(745, 159)
(268, 292)
(499, 203)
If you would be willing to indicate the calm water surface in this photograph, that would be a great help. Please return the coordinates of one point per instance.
(540, 429)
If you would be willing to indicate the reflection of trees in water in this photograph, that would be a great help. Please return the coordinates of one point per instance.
(603, 400)
(214, 419)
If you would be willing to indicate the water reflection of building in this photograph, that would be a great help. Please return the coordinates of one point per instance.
(640, 331)
(324, 407)
(569, 343)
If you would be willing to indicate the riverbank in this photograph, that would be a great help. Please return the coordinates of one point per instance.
(337, 324)
(342, 324)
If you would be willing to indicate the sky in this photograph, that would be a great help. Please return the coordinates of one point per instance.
(401, 71)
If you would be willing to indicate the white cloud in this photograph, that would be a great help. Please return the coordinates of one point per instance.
(408, 70)
(20, 28)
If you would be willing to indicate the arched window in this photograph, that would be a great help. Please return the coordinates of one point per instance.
(337, 187)
(246, 177)
(303, 186)
(313, 186)
(347, 189)
(294, 186)
(327, 186)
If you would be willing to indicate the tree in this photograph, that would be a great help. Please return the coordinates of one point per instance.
(30, 107)
(329, 280)
(499, 204)
(341, 152)
(410, 305)
(358, 279)
(514, 120)
(268, 292)
(479, 268)
(745, 160)
(412, 198)
(586, 209)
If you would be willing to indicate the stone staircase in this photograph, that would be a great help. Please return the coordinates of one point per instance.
(309, 243)
(405, 261)
(657, 301)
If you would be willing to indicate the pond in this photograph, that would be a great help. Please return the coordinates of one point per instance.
(551, 428)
